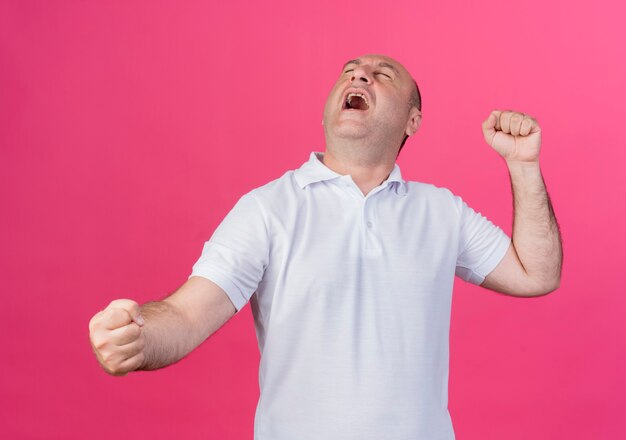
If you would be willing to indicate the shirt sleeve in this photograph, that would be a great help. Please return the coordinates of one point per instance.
(482, 245)
(236, 255)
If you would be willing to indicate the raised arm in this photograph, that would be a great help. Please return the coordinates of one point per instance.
(127, 337)
(532, 264)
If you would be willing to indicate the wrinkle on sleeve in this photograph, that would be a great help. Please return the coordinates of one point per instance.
(236, 255)
(482, 245)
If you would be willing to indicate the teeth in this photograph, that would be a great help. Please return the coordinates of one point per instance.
(351, 95)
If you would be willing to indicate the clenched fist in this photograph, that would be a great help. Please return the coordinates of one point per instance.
(514, 135)
(116, 337)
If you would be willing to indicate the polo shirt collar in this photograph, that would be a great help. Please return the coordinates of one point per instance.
(314, 171)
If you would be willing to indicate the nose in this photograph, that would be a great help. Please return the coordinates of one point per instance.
(361, 74)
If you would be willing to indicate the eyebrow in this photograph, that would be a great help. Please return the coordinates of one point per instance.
(351, 62)
(380, 64)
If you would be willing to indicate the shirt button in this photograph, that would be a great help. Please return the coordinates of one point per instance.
(369, 224)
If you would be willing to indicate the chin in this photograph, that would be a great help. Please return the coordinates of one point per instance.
(349, 130)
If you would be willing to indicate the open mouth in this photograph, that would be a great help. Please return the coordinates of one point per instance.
(356, 101)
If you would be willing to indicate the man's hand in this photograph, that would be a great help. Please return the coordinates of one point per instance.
(515, 136)
(117, 338)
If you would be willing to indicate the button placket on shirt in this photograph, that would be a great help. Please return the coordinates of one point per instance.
(370, 221)
(368, 218)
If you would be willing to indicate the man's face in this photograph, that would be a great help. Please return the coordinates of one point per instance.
(370, 100)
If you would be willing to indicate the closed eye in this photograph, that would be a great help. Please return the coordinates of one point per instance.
(377, 73)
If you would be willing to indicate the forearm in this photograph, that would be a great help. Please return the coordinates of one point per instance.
(536, 235)
(169, 336)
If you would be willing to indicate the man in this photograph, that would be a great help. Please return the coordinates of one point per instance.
(353, 269)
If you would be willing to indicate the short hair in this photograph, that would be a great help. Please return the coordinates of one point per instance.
(415, 100)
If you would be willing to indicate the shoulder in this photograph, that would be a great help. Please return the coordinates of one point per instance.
(276, 193)
(281, 186)
(438, 201)
(431, 192)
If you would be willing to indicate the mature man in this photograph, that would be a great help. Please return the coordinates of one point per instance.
(353, 269)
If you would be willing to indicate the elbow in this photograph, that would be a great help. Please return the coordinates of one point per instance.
(553, 284)
(556, 284)
(545, 287)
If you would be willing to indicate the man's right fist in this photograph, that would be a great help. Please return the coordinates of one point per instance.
(117, 338)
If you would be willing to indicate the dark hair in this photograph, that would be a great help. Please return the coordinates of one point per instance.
(414, 101)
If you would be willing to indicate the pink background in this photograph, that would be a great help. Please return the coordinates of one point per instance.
(129, 129)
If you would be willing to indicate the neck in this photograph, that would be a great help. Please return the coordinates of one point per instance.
(367, 173)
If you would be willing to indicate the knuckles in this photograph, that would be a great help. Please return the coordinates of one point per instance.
(99, 343)
(95, 321)
(110, 359)
(104, 340)
(510, 122)
(127, 304)
(115, 370)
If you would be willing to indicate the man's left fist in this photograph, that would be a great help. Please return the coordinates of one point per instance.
(515, 136)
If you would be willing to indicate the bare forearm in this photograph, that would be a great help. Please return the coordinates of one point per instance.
(169, 335)
(536, 234)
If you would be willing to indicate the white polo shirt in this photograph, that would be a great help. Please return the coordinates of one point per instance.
(352, 304)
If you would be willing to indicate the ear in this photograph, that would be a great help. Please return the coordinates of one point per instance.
(413, 124)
